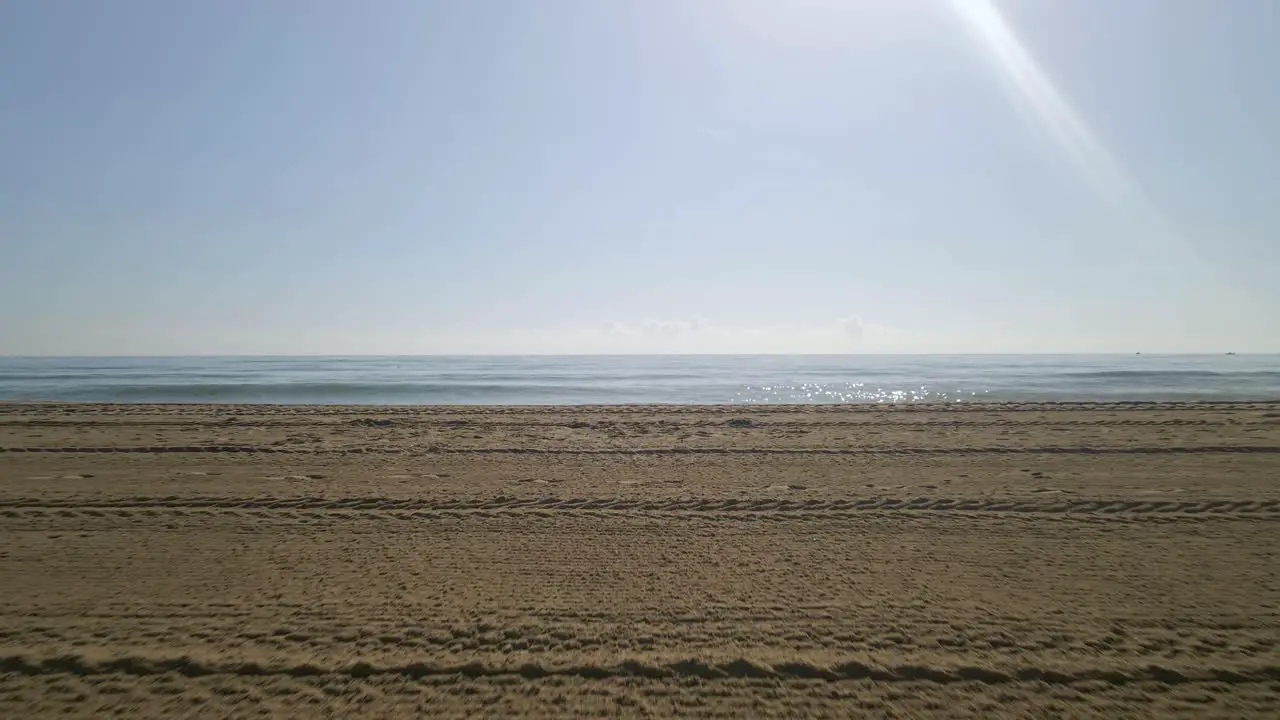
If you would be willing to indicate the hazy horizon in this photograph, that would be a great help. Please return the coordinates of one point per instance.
(638, 177)
(635, 354)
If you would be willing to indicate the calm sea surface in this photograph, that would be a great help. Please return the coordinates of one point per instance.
(539, 380)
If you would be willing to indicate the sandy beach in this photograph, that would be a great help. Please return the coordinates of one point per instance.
(979, 560)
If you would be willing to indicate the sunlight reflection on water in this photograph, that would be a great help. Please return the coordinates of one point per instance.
(849, 393)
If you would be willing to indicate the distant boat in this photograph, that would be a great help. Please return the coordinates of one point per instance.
(1231, 353)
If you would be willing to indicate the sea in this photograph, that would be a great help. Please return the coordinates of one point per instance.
(690, 379)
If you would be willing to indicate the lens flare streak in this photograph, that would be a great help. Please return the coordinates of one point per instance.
(1070, 132)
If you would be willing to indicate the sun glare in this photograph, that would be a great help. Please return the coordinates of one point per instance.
(1069, 131)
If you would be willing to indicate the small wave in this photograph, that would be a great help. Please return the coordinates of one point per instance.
(1167, 374)
(319, 393)
(47, 376)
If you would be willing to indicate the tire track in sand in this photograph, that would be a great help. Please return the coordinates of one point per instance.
(135, 665)
(484, 422)
(876, 451)
(728, 508)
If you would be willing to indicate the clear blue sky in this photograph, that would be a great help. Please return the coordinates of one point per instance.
(508, 176)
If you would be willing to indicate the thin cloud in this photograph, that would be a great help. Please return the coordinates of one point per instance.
(852, 327)
(700, 335)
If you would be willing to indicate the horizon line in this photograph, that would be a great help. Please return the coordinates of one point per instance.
(1112, 353)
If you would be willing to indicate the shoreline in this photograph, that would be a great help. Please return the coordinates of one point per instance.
(957, 405)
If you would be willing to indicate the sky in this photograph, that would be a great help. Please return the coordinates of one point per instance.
(638, 176)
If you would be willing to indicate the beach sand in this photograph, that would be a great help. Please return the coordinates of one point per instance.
(971, 560)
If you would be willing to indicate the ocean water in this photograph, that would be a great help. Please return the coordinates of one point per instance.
(694, 379)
